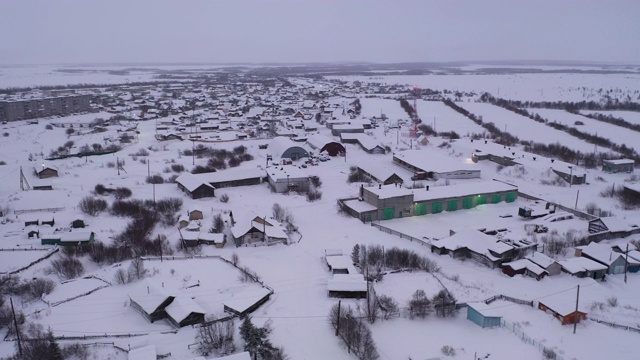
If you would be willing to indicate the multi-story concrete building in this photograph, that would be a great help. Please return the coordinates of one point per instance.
(13, 110)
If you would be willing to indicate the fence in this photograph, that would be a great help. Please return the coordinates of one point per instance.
(576, 212)
(547, 352)
(402, 236)
(34, 262)
(508, 298)
(614, 325)
(24, 249)
(259, 281)
(56, 303)
(18, 212)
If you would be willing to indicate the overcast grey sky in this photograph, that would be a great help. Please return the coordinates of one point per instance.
(222, 31)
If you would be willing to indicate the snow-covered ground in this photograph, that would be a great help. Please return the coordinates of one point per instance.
(616, 134)
(297, 272)
(523, 127)
(630, 116)
(531, 87)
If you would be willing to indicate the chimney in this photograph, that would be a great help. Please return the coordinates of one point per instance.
(231, 217)
(485, 141)
(534, 158)
(379, 186)
(552, 160)
(427, 188)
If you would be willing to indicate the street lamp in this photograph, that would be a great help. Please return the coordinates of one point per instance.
(288, 188)
(570, 175)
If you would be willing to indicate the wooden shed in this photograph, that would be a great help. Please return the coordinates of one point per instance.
(565, 312)
(347, 286)
(195, 187)
(44, 171)
(246, 302)
(183, 311)
(618, 166)
(150, 302)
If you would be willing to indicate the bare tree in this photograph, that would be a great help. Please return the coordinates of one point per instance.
(67, 267)
(419, 305)
(388, 307)
(136, 269)
(217, 224)
(122, 277)
(216, 338)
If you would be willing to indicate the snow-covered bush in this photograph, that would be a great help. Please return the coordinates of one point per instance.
(67, 267)
(92, 206)
(448, 351)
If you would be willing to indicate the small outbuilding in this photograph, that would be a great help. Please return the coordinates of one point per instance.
(150, 302)
(195, 187)
(246, 302)
(347, 286)
(618, 166)
(183, 311)
(523, 267)
(483, 315)
(549, 265)
(563, 310)
(45, 171)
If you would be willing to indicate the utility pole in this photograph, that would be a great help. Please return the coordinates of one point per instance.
(338, 322)
(15, 323)
(575, 316)
(148, 168)
(578, 194)
(118, 165)
(626, 263)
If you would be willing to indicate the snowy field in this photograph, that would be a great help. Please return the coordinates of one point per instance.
(532, 87)
(298, 273)
(524, 128)
(630, 116)
(616, 134)
(14, 260)
(47, 75)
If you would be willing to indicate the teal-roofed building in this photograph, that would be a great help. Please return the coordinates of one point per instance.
(68, 238)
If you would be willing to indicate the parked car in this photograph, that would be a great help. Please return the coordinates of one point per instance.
(323, 157)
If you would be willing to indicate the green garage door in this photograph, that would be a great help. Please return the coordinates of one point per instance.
(421, 209)
(436, 207)
(511, 197)
(452, 205)
(496, 198)
(467, 203)
(387, 213)
(481, 200)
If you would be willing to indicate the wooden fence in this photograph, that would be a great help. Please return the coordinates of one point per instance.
(34, 262)
(401, 235)
(614, 325)
(24, 211)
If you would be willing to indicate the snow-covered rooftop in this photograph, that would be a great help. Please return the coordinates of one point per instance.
(434, 161)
